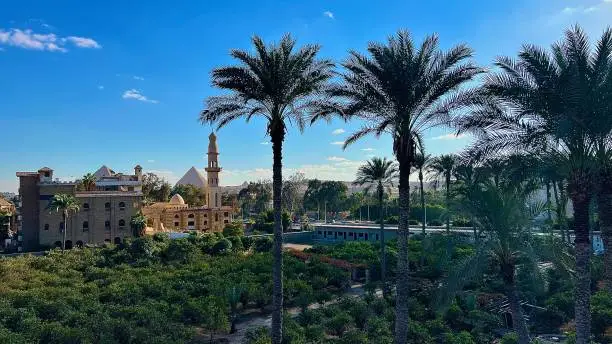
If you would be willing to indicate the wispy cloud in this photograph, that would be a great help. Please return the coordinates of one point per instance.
(264, 143)
(338, 131)
(136, 77)
(337, 143)
(336, 158)
(100, 87)
(30, 40)
(583, 9)
(329, 14)
(137, 95)
(367, 149)
(150, 161)
(449, 137)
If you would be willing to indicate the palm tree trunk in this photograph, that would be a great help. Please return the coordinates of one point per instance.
(64, 218)
(277, 267)
(563, 219)
(558, 210)
(604, 206)
(582, 291)
(422, 199)
(401, 301)
(548, 204)
(383, 255)
(518, 320)
(448, 177)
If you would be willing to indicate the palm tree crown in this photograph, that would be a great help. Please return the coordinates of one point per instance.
(64, 204)
(378, 173)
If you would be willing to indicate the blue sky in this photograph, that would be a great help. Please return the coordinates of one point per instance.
(121, 83)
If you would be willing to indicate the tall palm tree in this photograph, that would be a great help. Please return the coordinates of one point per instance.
(544, 102)
(401, 89)
(443, 166)
(279, 83)
(88, 182)
(65, 204)
(379, 174)
(504, 213)
(421, 163)
(469, 180)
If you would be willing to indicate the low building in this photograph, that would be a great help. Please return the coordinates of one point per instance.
(104, 214)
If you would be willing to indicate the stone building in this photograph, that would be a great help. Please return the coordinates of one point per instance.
(176, 215)
(104, 215)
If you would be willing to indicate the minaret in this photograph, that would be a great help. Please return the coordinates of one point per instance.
(212, 171)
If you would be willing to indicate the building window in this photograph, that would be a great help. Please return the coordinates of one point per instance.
(85, 206)
(46, 226)
(107, 206)
(361, 235)
(121, 206)
(121, 223)
(226, 214)
(191, 223)
(85, 226)
(205, 222)
(350, 233)
(107, 225)
(205, 215)
(176, 216)
(216, 217)
(61, 226)
(176, 224)
(191, 216)
(225, 221)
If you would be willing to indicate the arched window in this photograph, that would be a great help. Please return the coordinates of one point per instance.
(205, 223)
(176, 216)
(85, 206)
(191, 223)
(61, 226)
(191, 216)
(46, 226)
(176, 224)
(107, 225)
(216, 200)
(121, 223)
(226, 214)
(205, 215)
(107, 206)
(117, 240)
(121, 205)
(85, 226)
(216, 217)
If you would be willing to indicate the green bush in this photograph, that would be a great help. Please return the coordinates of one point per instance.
(435, 223)
(222, 246)
(235, 228)
(237, 244)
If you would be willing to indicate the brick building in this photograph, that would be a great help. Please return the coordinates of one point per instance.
(104, 215)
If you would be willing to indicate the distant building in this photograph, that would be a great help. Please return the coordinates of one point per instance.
(176, 215)
(104, 214)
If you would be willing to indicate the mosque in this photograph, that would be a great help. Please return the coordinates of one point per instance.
(176, 215)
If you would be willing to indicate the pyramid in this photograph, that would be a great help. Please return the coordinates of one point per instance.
(193, 177)
(103, 172)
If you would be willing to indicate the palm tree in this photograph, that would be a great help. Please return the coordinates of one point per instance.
(280, 84)
(88, 183)
(402, 90)
(545, 103)
(421, 163)
(138, 223)
(469, 179)
(380, 174)
(65, 204)
(504, 213)
(443, 166)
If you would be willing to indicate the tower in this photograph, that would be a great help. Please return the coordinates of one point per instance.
(212, 172)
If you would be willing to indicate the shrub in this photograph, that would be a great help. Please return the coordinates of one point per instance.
(413, 222)
(263, 244)
(161, 237)
(235, 228)
(339, 324)
(247, 242)
(236, 241)
(462, 222)
(435, 223)
(222, 246)
(509, 338)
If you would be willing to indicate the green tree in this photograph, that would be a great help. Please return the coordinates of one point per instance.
(155, 189)
(402, 90)
(421, 163)
(379, 174)
(313, 198)
(138, 223)
(544, 102)
(65, 204)
(191, 194)
(87, 183)
(443, 167)
(504, 213)
(236, 228)
(279, 83)
(292, 193)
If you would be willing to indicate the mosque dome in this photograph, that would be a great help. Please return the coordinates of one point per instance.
(177, 199)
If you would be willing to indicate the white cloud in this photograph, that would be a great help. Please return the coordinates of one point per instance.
(582, 9)
(28, 39)
(150, 161)
(264, 143)
(337, 143)
(168, 175)
(610, 1)
(449, 137)
(338, 131)
(100, 87)
(367, 149)
(136, 94)
(329, 14)
(336, 158)
(138, 78)
(83, 42)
